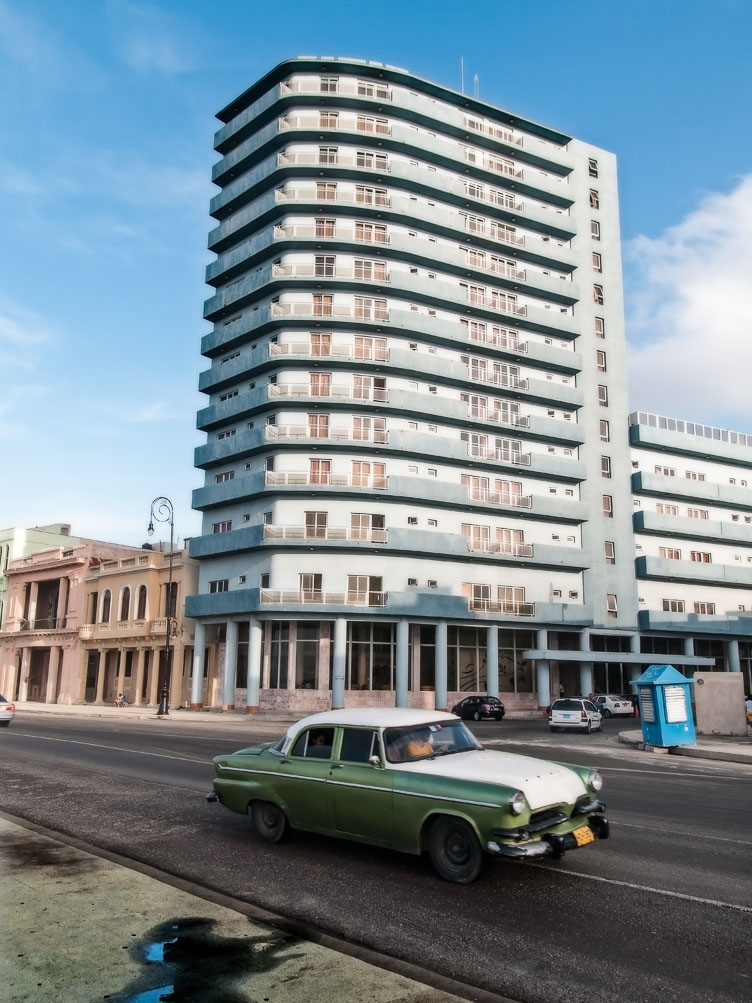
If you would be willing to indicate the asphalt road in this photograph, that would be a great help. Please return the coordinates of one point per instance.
(661, 911)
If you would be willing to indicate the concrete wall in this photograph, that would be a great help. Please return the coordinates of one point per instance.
(719, 703)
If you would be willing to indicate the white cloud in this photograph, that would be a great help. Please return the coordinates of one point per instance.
(689, 314)
(26, 42)
(149, 40)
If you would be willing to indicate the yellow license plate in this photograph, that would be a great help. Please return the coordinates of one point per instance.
(583, 835)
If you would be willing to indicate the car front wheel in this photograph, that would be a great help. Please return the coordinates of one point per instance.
(454, 850)
(476, 716)
(606, 712)
(269, 821)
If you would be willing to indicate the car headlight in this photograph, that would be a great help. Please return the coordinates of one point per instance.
(595, 780)
(518, 803)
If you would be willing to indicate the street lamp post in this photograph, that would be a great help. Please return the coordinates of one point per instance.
(162, 511)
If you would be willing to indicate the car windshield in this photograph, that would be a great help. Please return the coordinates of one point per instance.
(440, 738)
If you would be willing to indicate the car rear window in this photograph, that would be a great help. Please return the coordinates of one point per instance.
(566, 705)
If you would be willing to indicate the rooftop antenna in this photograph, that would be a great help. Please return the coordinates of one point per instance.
(462, 73)
(476, 86)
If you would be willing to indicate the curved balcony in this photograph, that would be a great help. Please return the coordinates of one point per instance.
(273, 433)
(499, 547)
(335, 533)
(499, 455)
(317, 597)
(526, 609)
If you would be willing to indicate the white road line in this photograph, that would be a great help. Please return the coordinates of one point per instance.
(677, 832)
(111, 748)
(644, 888)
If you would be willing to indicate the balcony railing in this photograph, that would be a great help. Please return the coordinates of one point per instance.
(500, 498)
(326, 232)
(375, 353)
(314, 86)
(324, 533)
(501, 455)
(494, 303)
(505, 135)
(327, 272)
(494, 606)
(320, 598)
(499, 417)
(341, 198)
(301, 478)
(331, 310)
(333, 160)
(333, 122)
(498, 547)
(373, 394)
(375, 435)
(485, 230)
(498, 379)
(498, 337)
(43, 623)
(116, 628)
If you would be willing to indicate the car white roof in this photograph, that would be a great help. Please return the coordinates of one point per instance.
(370, 717)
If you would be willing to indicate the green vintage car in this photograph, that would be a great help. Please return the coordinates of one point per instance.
(413, 781)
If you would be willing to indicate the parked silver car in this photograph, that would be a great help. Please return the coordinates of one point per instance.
(574, 712)
(7, 712)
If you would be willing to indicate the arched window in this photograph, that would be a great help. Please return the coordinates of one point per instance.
(106, 603)
(141, 613)
(125, 604)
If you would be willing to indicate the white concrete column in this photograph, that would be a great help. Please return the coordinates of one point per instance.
(689, 648)
(292, 646)
(120, 686)
(139, 680)
(23, 693)
(101, 673)
(586, 678)
(53, 673)
(440, 656)
(253, 685)
(543, 683)
(33, 597)
(339, 663)
(231, 665)
(197, 679)
(492, 661)
(401, 668)
(154, 675)
(733, 655)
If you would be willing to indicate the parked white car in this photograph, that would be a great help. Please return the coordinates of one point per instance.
(609, 705)
(574, 712)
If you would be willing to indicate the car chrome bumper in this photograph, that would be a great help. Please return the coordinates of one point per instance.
(550, 845)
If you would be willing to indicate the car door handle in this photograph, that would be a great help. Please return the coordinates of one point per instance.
(336, 766)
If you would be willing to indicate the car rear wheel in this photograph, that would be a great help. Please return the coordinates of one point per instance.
(606, 712)
(269, 821)
(455, 851)
(589, 727)
(476, 716)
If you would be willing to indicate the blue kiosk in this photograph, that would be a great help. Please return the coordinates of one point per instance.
(665, 706)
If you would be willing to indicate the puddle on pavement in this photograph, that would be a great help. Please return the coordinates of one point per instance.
(23, 851)
(185, 961)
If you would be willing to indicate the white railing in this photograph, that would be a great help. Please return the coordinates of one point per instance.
(325, 533)
(498, 337)
(375, 354)
(498, 379)
(332, 233)
(502, 455)
(333, 310)
(374, 394)
(378, 436)
(317, 597)
(325, 272)
(497, 547)
(313, 195)
(494, 606)
(300, 478)
(334, 123)
(505, 135)
(490, 302)
(365, 90)
(473, 226)
(498, 417)
(331, 160)
(499, 498)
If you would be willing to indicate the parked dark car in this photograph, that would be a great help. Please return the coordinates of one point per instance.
(479, 707)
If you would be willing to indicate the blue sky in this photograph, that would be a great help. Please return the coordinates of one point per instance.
(107, 117)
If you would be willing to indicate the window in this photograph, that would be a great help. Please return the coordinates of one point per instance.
(673, 605)
(227, 475)
(106, 606)
(315, 525)
(227, 434)
(592, 168)
(663, 509)
(694, 475)
(595, 229)
(326, 191)
(323, 265)
(669, 553)
(321, 384)
(600, 361)
(605, 430)
(608, 507)
(697, 513)
(597, 262)
(611, 607)
(219, 585)
(141, 605)
(598, 295)
(600, 327)
(310, 587)
(708, 608)
(327, 154)
(319, 471)
(594, 199)
(318, 426)
(603, 395)
(605, 466)
(222, 527)
(125, 604)
(325, 227)
(609, 551)
(700, 557)
(329, 84)
(665, 471)
(322, 305)
(328, 119)
(264, 580)
(229, 395)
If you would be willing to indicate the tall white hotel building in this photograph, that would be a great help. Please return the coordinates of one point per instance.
(417, 466)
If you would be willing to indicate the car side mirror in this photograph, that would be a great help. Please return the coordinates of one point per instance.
(375, 761)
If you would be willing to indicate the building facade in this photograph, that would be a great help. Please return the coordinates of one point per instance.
(417, 483)
(19, 542)
(91, 620)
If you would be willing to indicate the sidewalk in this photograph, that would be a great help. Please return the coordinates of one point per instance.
(729, 748)
(78, 927)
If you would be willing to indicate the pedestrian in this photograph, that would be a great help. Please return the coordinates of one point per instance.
(121, 701)
(748, 707)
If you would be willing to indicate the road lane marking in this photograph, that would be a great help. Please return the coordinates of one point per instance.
(644, 888)
(674, 832)
(113, 748)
